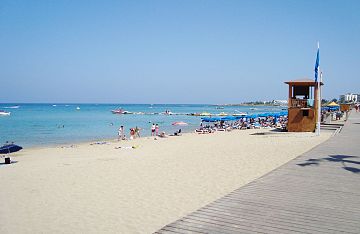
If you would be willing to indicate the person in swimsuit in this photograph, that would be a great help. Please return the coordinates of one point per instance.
(121, 133)
(153, 130)
(156, 130)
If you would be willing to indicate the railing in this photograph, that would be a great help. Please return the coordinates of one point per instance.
(299, 103)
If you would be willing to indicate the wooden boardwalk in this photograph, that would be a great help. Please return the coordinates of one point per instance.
(318, 192)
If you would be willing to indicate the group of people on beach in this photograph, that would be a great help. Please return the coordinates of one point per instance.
(134, 133)
(154, 129)
(245, 123)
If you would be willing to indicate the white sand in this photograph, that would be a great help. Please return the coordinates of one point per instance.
(99, 189)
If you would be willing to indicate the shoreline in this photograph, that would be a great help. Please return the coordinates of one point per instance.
(114, 140)
(98, 188)
(83, 142)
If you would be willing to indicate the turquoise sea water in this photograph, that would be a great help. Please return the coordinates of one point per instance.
(52, 124)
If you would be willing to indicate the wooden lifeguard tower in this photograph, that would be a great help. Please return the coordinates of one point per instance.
(302, 105)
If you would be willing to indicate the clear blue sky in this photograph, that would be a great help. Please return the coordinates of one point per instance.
(181, 51)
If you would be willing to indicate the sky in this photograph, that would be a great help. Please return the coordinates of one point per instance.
(174, 51)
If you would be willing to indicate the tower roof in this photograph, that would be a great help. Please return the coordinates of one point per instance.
(302, 82)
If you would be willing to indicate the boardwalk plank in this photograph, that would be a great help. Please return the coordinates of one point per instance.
(259, 221)
(305, 212)
(273, 218)
(221, 226)
(210, 227)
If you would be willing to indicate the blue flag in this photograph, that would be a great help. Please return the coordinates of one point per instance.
(317, 63)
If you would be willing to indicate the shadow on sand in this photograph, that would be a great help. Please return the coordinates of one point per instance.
(4, 164)
(348, 163)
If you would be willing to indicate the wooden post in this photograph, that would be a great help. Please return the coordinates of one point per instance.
(290, 96)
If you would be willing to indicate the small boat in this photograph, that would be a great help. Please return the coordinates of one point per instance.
(12, 107)
(219, 107)
(77, 108)
(118, 111)
(121, 112)
(4, 113)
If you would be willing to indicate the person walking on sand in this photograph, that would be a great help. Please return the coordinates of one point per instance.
(121, 135)
(156, 130)
(137, 132)
(153, 130)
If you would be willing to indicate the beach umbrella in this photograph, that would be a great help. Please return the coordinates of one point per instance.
(213, 119)
(179, 123)
(10, 148)
(332, 104)
(229, 118)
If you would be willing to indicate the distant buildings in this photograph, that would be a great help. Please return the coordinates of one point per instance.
(280, 102)
(349, 97)
(270, 103)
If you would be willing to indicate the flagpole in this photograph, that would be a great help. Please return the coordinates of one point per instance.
(319, 106)
(319, 100)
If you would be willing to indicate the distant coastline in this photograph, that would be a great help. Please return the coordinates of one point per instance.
(257, 103)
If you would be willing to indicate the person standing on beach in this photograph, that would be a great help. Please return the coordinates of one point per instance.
(153, 130)
(137, 132)
(156, 130)
(121, 135)
(132, 133)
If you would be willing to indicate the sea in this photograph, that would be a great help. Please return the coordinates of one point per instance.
(36, 125)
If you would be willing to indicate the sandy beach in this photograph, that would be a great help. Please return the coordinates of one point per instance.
(97, 188)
